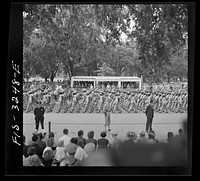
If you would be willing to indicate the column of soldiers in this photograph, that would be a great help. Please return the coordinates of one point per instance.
(88, 100)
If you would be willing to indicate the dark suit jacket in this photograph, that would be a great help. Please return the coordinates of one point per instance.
(149, 112)
(39, 112)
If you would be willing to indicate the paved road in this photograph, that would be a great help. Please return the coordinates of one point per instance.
(163, 122)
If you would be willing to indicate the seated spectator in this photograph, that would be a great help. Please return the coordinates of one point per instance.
(50, 143)
(25, 147)
(52, 136)
(81, 140)
(39, 148)
(132, 137)
(180, 131)
(103, 142)
(142, 137)
(65, 137)
(60, 152)
(114, 142)
(32, 159)
(91, 138)
(80, 152)
(152, 139)
(48, 158)
(180, 134)
(40, 140)
(71, 148)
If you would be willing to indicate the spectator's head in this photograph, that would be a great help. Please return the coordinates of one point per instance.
(31, 150)
(50, 142)
(131, 135)
(65, 131)
(170, 135)
(74, 140)
(71, 149)
(51, 135)
(35, 160)
(40, 136)
(80, 133)
(90, 134)
(151, 135)
(35, 138)
(103, 134)
(180, 131)
(48, 155)
(142, 134)
(60, 143)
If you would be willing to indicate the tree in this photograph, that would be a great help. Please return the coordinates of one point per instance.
(105, 71)
(158, 29)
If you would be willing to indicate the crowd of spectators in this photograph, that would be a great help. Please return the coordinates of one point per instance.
(142, 149)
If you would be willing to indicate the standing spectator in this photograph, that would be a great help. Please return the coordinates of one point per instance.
(114, 142)
(65, 137)
(103, 142)
(39, 148)
(132, 137)
(25, 147)
(60, 153)
(150, 115)
(91, 138)
(32, 159)
(142, 137)
(39, 116)
(81, 140)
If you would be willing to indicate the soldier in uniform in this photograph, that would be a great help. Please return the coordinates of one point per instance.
(87, 101)
(30, 103)
(39, 116)
(179, 103)
(100, 103)
(133, 106)
(75, 103)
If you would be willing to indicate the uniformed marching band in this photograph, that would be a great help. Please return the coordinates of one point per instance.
(59, 98)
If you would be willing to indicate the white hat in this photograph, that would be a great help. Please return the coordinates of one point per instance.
(142, 133)
(89, 147)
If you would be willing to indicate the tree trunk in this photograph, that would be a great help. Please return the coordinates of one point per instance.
(53, 74)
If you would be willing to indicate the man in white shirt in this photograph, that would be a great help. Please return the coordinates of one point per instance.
(65, 137)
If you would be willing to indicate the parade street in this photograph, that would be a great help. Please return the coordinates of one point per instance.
(162, 123)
